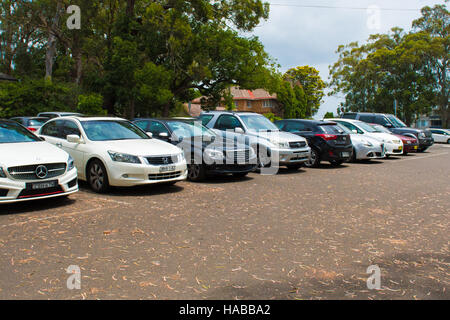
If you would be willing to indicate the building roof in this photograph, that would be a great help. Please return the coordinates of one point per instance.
(6, 77)
(244, 94)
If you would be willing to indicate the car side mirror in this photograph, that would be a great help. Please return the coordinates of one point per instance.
(355, 131)
(73, 138)
(150, 134)
(239, 130)
(164, 135)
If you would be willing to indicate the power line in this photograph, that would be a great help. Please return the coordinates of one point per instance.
(345, 8)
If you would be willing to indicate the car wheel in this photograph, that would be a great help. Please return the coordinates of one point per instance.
(98, 177)
(314, 162)
(240, 174)
(354, 155)
(196, 172)
(448, 141)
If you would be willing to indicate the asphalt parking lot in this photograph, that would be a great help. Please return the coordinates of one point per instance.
(307, 234)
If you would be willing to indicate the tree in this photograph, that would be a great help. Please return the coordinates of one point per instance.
(309, 80)
(329, 115)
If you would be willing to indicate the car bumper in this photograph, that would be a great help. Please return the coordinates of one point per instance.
(293, 156)
(409, 148)
(128, 175)
(337, 153)
(18, 191)
(426, 143)
(229, 168)
(367, 152)
(393, 149)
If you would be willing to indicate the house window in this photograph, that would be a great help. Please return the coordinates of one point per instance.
(267, 104)
(249, 104)
(236, 104)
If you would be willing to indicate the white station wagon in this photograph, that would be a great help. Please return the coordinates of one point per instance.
(115, 152)
(31, 168)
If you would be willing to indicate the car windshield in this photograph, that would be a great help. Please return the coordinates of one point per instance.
(258, 123)
(380, 128)
(345, 129)
(189, 129)
(15, 133)
(366, 127)
(108, 130)
(396, 121)
(36, 122)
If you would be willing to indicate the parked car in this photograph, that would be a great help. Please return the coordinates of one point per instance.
(205, 152)
(364, 147)
(395, 125)
(262, 135)
(441, 135)
(115, 152)
(410, 144)
(31, 123)
(392, 144)
(328, 142)
(52, 115)
(31, 168)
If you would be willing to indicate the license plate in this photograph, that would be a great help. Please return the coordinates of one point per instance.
(299, 156)
(416, 147)
(400, 148)
(345, 154)
(167, 169)
(43, 185)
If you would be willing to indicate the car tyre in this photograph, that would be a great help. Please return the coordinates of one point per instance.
(196, 172)
(98, 176)
(448, 141)
(314, 162)
(265, 161)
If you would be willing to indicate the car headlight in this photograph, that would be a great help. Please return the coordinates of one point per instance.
(123, 157)
(283, 145)
(422, 135)
(181, 157)
(2, 173)
(396, 141)
(70, 164)
(214, 154)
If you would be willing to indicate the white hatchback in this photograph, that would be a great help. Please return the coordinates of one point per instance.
(115, 152)
(31, 168)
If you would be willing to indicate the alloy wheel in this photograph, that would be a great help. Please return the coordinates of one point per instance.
(96, 177)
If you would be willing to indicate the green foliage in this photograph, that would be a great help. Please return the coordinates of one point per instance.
(271, 117)
(292, 99)
(410, 68)
(91, 104)
(29, 97)
(329, 115)
(309, 80)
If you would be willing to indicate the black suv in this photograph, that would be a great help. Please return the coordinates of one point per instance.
(327, 140)
(206, 153)
(395, 125)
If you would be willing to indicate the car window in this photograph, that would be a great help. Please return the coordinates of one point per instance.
(143, 124)
(228, 122)
(15, 133)
(157, 128)
(331, 129)
(53, 129)
(256, 122)
(112, 130)
(189, 129)
(349, 116)
(36, 122)
(70, 128)
(379, 119)
(367, 127)
(294, 126)
(366, 118)
(206, 119)
(351, 127)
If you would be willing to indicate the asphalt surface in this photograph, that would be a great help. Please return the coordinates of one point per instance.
(306, 234)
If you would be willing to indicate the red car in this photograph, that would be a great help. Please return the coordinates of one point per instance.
(410, 144)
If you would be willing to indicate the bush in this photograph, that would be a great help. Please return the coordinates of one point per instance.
(91, 104)
(271, 117)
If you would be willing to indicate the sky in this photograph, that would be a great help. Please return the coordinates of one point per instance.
(299, 33)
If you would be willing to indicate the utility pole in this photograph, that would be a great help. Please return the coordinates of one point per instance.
(395, 107)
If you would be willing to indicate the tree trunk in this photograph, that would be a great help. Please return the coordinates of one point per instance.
(166, 109)
(51, 44)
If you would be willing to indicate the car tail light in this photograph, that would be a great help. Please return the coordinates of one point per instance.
(327, 137)
(32, 129)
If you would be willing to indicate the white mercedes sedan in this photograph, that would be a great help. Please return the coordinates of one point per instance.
(115, 152)
(31, 168)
